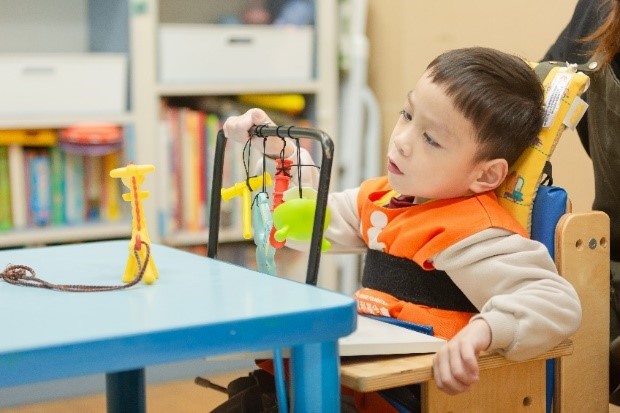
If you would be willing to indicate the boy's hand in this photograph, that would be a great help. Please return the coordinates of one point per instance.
(455, 366)
(237, 128)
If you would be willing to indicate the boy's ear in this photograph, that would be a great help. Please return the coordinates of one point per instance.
(491, 175)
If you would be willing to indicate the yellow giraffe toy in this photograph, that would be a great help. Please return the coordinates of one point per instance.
(132, 177)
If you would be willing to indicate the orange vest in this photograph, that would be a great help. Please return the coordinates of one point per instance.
(417, 233)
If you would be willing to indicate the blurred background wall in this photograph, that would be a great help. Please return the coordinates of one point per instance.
(405, 35)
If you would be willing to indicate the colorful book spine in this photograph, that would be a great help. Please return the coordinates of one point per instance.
(164, 173)
(40, 189)
(177, 168)
(19, 206)
(111, 193)
(57, 176)
(189, 150)
(212, 127)
(74, 189)
(5, 191)
(201, 155)
(93, 174)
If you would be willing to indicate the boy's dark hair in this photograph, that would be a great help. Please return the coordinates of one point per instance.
(498, 92)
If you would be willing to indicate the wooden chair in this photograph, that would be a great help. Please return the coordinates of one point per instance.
(579, 244)
(581, 379)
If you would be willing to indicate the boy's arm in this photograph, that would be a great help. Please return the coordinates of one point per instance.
(343, 230)
(455, 366)
(514, 283)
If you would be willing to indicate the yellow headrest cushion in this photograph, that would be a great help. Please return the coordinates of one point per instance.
(563, 107)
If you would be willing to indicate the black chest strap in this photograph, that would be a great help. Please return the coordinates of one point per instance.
(407, 281)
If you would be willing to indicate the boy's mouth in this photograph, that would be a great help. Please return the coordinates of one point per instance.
(391, 167)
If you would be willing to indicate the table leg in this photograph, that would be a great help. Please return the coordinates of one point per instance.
(125, 392)
(315, 378)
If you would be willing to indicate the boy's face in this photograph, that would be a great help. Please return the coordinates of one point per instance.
(432, 148)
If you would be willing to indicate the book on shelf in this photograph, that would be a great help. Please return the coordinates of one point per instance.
(75, 211)
(201, 155)
(19, 206)
(93, 181)
(177, 167)
(164, 174)
(187, 169)
(5, 191)
(38, 170)
(110, 188)
(186, 146)
(212, 127)
(57, 177)
(192, 124)
(185, 154)
(45, 185)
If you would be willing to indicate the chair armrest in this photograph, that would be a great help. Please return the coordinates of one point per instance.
(366, 374)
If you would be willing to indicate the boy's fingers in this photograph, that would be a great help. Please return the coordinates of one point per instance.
(444, 374)
(259, 117)
(455, 367)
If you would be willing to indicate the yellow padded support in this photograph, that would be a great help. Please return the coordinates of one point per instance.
(563, 108)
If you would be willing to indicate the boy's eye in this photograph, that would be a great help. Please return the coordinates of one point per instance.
(430, 140)
(406, 115)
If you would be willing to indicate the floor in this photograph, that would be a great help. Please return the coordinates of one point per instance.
(178, 397)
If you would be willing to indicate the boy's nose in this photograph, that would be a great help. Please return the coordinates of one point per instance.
(402, 146)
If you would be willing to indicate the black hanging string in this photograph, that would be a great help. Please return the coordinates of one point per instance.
(247, 148)
(282, 169)
(246, 156)
(298, 147)
(264, 165)
(286, 134)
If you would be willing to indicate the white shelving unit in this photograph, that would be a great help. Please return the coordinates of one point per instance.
(91, 25)
(64, 27)
(147, 91)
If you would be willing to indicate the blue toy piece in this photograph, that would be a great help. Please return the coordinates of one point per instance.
(261, 226)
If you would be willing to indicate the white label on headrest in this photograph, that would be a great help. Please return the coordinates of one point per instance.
(553, 97)
(575, 113)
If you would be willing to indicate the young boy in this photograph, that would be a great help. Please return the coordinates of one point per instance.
(441, 250)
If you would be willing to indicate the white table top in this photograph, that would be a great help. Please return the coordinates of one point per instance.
(197, 307)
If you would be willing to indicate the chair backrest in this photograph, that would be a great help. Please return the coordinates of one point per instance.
(539, 208)
(578, 243)
(550, 204)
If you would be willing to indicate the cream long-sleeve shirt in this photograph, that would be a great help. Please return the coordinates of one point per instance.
(510, 279)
